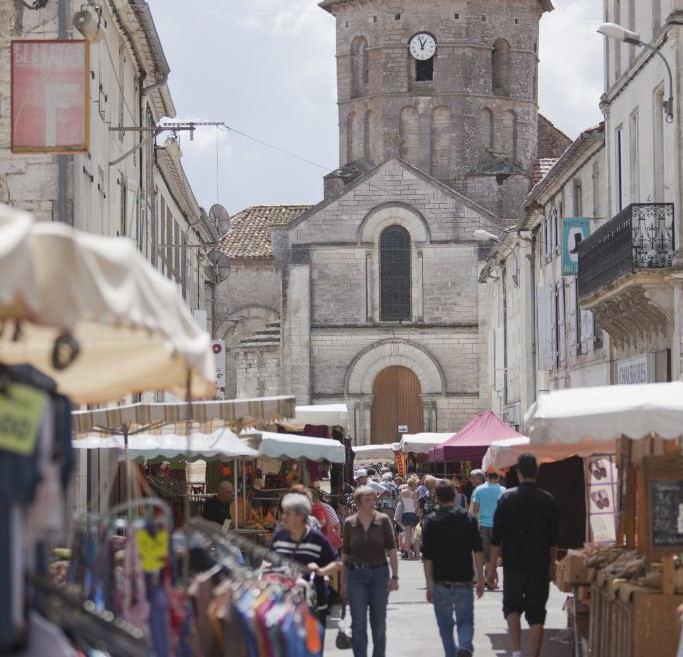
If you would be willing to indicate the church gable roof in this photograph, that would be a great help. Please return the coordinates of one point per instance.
(250, 230)
(382, 194)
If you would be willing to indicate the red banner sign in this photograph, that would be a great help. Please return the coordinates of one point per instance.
(50, 93)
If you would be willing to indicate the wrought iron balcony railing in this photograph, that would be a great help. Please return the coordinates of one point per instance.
(641, 236)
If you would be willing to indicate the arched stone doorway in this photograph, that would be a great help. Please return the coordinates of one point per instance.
(395, 402)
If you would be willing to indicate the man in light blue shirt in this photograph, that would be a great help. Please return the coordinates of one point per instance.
(484, 502)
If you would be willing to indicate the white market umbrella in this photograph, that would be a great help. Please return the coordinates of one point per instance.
(288, 446)
(221, 444)
(421, 443)
(133, 329)
(604, 413)
(331, 415)
(383, 452)
(503, 453)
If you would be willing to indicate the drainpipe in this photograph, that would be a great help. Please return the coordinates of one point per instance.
(532, 286)
(62, 160)
(503, 274)
(146, 171)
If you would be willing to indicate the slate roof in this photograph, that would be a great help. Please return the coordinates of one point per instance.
(250, 230)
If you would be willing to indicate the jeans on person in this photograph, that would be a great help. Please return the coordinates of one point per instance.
(368, 589)
(460, 602)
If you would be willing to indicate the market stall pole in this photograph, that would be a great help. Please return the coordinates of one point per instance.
(636, 589)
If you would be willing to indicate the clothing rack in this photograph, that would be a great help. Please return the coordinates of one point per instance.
(230, 541)
(82, 619)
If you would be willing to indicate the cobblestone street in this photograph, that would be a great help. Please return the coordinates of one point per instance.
(412, 630)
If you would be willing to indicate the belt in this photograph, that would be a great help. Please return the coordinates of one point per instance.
(365, 566)
(455, 585)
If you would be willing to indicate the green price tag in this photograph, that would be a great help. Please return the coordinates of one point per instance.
(21, 408)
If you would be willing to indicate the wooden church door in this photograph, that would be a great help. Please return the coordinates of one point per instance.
(395, 402)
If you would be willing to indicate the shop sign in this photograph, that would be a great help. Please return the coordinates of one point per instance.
(50, 94)
(640, 369)
(574, 230)
(218, 347)
(403, 428)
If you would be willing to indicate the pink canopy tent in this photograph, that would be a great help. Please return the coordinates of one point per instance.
(472, 441)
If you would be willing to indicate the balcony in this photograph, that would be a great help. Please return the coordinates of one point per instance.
(624, 268)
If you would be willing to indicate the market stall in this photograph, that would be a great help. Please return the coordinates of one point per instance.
(469, 445)
(414, 450)
(91, 314)
(384, 453)
(636, 584)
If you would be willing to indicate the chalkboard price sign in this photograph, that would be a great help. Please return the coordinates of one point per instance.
(667, 513)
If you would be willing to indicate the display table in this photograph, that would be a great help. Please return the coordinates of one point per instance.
(627, 620)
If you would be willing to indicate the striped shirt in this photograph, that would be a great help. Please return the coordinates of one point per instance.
(312, 548)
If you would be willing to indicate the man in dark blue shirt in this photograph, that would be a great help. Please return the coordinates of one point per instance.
(525, 524)
(449, 537)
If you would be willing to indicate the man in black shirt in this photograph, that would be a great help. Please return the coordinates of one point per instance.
(525, 524)
(217, 509)
(449, 537)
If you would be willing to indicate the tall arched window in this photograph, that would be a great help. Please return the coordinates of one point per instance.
(367, 136)
(409, 131)
(360, 67)
(352, 138)
(441, 132)
(500, 68)
(394, 273)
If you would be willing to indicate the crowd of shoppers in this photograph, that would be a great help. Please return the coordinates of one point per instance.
(459, 528)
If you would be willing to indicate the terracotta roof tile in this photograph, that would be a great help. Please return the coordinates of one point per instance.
(250, 230)
(541, 168)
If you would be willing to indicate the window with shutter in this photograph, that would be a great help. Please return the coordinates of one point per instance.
(500, 362)
(552, 297)
(587, 331)
(543, 328)
(573, 317)
(561, 331)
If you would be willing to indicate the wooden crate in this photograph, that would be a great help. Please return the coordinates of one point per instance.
(635, 622)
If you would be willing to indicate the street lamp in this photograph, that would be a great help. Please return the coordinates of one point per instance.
(482, 235)
(619, 33)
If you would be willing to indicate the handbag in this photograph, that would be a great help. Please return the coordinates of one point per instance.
(398, 513)
(343, 640)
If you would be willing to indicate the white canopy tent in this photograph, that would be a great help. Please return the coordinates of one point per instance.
(332, 415)
(221, 444)
(503, 453)
(421, 443)
(605, 413)
(132, 328)
(286, 446)
(383, 452)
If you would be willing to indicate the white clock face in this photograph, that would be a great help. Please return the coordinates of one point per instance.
(422, 46)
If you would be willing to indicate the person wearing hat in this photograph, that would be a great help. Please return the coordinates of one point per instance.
(387, 503)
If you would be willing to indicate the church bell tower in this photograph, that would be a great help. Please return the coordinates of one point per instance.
(449, 86)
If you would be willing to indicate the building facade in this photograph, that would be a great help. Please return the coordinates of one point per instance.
(616, 318)
(371, 296)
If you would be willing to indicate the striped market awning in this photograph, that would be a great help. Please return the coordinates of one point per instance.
(205, 415)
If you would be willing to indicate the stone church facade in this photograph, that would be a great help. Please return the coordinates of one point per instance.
(371, 296)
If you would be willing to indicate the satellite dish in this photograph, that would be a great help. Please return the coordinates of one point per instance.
(221, 265)
(220, 217)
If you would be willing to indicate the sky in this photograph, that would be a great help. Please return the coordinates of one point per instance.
(266, 68)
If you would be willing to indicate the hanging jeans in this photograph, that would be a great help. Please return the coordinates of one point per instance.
(368, 588)
(454, 606)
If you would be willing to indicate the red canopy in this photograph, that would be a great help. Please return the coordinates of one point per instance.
(472, 441)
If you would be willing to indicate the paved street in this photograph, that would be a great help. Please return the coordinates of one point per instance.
(411, 626)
